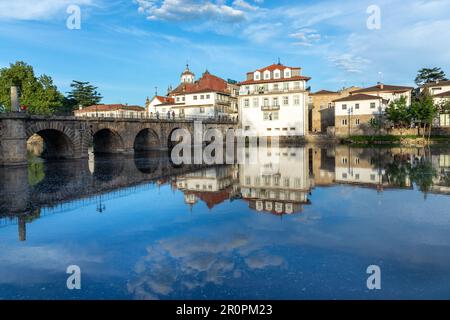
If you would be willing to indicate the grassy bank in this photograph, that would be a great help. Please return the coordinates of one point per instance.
(396, 140)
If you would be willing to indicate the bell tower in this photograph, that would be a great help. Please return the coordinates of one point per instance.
(187, 76)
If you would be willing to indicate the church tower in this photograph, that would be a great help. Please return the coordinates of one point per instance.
(187, 76)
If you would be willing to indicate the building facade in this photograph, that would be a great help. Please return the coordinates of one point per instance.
(111, 111)
(321, 107)
(440, 91)
(354, 113)
(207, 97)
(273, 101)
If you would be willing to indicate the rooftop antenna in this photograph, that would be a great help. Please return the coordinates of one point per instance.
(156, 91)
(279, 61)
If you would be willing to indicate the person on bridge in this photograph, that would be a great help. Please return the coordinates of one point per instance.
(173, 115)
(168, 115)
(157, 115)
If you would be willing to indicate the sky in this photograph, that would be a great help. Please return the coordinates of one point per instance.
(129, 47)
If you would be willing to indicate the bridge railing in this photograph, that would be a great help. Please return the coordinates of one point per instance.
(163, 117)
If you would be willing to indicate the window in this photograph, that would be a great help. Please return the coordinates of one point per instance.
(275, 101)
(286, 86)
(357, 122)
(276, 87)
(248, 180)
(266, 102)
(267, 75)
(275, 115)
(287, 182)
(202, 97)
(287, 73)
(183, 99)
(344, 107)
(255, 102)
(285, 101)
(344, 160)
(297, 85)
(202, 110)
(357, 176)
(372, 105)
(178, 99)
(246, 102)
(257, 76)
(257, 181)
(267, 180)
(357, 160)
(372, 177)
(247, 128)
(357, 106)
(344, 175)
(344, 122)
(292, 129)
(276, 181)
(208, 96)
(297, 100)
(195, 97)
(277, 75)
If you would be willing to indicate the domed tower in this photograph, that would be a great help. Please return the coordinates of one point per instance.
(187, 76)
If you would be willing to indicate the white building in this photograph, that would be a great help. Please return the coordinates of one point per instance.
(387, 92)
(209, 96)
(440, 91)
(273, 101)
(111, 111)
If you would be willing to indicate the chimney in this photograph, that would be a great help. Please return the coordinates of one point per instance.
(381, 86)
(15, 101)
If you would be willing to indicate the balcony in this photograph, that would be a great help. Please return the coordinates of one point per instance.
(270, 108)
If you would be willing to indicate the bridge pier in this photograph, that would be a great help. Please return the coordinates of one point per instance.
(13, 142)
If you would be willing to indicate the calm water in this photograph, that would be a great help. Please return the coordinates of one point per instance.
(305, 227)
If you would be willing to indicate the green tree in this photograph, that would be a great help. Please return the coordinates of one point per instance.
(398, 112)
(377, 124)
(39, 94)
(426, 75)
(83, 94)
(424, 111)
(423, 174)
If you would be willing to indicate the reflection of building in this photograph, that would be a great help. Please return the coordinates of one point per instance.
(278, 183)
(111, 111)
(209, 96)
(213, 186)
(273, 102)
(366, 167)
(441, 183)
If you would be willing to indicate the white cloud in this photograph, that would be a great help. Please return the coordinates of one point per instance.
(306, 37)
(36, 10)
(350, 63)
(186, 10)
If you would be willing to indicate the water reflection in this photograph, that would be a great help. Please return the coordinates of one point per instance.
(329, 196)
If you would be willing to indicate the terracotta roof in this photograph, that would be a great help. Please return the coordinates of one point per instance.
(434, 83)
(212, 198)
(275, 80)
(442, 94)
(165, 99)
(357, 97)
(324, 92)
(274, 67)
(207, 83)
(384, 88)
(110, 107)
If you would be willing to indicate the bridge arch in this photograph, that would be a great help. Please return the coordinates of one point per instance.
(146, 140)
(107, 141)
(59, 142)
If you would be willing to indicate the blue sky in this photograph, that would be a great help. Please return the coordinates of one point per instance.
(128, 47)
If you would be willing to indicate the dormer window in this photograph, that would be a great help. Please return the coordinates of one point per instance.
(277, 74)
(266, 75)
(257, 76)
(287, 73)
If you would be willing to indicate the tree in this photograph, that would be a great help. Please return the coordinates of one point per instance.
(426, 75)
(377, 124)
(83, 94)
(399, 114)
(39, 94)
(424, 111)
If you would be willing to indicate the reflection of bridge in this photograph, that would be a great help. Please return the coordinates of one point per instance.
(70, 137)
(66, 181)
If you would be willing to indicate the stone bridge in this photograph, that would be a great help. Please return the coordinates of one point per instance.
(70, 137)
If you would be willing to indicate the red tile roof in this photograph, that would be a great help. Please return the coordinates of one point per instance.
(384, 88)
(358, 97)
(207, 83)
(110, 107)
(296, 78)
(274, 67)
(434, 84)
(165, 99)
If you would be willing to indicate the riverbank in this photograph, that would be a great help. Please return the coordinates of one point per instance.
(406, 140)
